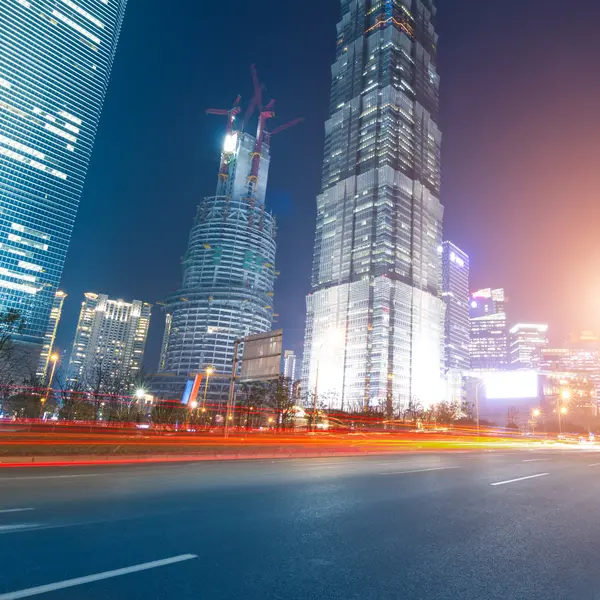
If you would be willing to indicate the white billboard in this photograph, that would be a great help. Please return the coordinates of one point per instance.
(262, 356)
(508, 385)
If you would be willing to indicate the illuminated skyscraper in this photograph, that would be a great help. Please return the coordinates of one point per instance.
(55, 63)
(527, 340)
(455, 292)
(109, 341)
(228, 275)
(289, 366)
(374, 316)
(489, 331)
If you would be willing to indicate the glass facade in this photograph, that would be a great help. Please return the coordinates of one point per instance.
(374, 317)
(527, 340)
(228, 278)
(489, 330)
(109, 341)
(455, 292)
(55, 63)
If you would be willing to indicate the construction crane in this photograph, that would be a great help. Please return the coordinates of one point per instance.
(265, 113)
(281, 128)
(230, 143)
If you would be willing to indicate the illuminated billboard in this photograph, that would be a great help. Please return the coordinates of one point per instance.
(507, 385)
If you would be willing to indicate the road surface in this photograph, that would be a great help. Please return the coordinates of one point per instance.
(437, 526)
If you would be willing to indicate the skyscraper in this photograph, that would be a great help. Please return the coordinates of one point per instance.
(374, 316)
(50, 336)
(489, 331)
(109, 341)
(55, 63)
(455, 292)
(289, 365)
(228, 271)
(527, 340)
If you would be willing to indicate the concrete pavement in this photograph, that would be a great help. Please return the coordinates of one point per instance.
(450, 525)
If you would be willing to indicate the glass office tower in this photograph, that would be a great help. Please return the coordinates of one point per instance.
(489, 330)
(374, 317)
(455, 292)
(55, 63)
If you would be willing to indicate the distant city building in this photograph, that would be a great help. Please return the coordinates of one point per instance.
(55, 64)
(50, 336)
(526, 343)
(110, 339)
(289, 366)
(489, 330)
(575, 365)
(228, 272)
(455, 293)
(374, 314)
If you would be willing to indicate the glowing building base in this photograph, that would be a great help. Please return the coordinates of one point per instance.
(372, 342)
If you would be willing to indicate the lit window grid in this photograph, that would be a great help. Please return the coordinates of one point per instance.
(110, 333)
(368, 223)
(227, 291)
(58, 94)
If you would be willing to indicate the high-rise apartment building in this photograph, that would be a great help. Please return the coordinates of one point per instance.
(50, 335)
(289, 365)
(455, 293)
(55, 63)
(489, 331)
(527, 340)
(109, 341)
(228, 273)
(374, 316)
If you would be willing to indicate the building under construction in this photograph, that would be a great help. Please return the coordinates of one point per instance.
(229, 267)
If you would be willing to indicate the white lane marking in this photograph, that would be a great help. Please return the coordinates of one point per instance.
(517, 479)
(414, 471)
(48, 477)
(535, 459)
(61, 585)
(17, 527)
(13, 510)
(594, 465)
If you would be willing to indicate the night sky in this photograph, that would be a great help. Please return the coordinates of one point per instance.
(521, 169)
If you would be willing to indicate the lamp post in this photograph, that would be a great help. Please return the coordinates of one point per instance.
(54, 358)
(209, 372)
(535, 414)
(562, 410)
(479, 383)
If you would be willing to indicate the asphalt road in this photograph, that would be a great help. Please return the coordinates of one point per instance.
(438, 526)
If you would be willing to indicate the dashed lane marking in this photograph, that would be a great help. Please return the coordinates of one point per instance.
(520, 479)
(67, 583)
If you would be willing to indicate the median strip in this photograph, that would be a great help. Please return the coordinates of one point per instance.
(61, 585)
(520, 479)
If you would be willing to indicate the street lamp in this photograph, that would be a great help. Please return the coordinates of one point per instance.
(54, 358)
(535, 414)
(140, 393)
(209, 372)
(477, 386)
(565, 395)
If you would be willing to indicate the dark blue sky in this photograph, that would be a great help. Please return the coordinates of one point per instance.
(521, 185)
